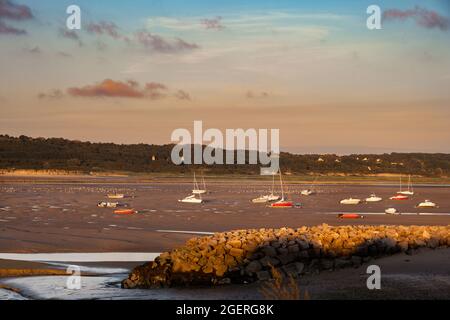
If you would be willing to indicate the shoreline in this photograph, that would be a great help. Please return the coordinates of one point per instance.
(423, 275)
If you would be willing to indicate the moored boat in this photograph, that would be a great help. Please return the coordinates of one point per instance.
(125, 211)
(373, 198)
(399, 197)
(191, 199)
(426, 204)
(391, 211)
(116, 196)
(350, 216)
(350, 201)
(282, 203)
(409, 191)
(105, 204)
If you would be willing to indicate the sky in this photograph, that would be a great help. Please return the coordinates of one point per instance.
(137, 70)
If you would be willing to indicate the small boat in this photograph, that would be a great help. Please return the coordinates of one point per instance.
(350, 216)
(391, 211)
(350, 201)
(266, 198)
(282, 203)
(197, 189)
(409, 191)
(105, 204)
(270, 197)
(191, 199)
(373, 198)
(307, 192)
(125, 211)
(426, 204)
(116, 196)
(399, 197)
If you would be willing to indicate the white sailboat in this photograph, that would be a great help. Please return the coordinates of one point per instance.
(191, 199)
(310, 191)
(408, 192)
(270, 197)
(197, 189)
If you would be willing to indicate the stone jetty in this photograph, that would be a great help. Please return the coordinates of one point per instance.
(248, 255)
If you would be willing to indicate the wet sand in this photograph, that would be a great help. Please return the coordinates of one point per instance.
(37, 216)
(424, 275)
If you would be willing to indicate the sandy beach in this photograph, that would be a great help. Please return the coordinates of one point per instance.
(38, 216)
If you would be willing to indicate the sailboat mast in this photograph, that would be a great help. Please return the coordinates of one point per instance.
(281, 184)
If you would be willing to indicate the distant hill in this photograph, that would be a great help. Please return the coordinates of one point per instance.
(62, 154)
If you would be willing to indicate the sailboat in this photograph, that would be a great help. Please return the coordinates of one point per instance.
(191, 199)
(408, 192)
(282, 203)
(197, 189)
(270, 197)
(308, 192)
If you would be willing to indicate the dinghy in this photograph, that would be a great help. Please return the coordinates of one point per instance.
(426, 204)
(350, 201)
(399, 197)
(105, 204)
(350, 216)
(391, 211)
(116, 196)
(125, 211)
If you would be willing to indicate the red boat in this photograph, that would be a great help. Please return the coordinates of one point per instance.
(399, 197)
(124, 211)
(282, 204)
(350, 216)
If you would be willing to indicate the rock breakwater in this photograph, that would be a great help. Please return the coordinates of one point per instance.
(248, 255)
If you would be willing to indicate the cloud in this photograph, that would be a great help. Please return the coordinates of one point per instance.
(11, 11)
(159, 44)
(182, 95)
(71, 35)
(106, 28)
(251, 95)
(423, 17)
(53, 94)
(127, 89)
(214, 23)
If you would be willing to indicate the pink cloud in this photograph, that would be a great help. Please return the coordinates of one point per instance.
(127, 89)
(423, 17)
